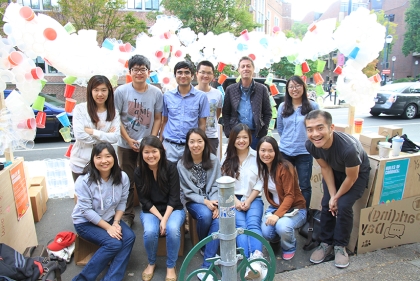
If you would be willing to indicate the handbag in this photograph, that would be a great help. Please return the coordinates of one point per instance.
(311, 229)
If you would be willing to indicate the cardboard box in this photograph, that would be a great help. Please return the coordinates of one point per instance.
(370, 142)
(38, 203)
(40, 181)
(342, 128)
(83, 251)
(18, 234)
(390, 131)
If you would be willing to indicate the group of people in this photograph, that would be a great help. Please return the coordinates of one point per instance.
(167, 146)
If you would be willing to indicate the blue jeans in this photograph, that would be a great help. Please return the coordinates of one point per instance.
(206, 225)
(254, 141)
(303, 164)
(250, 220)
(111, 250)
(173, 235)
(284, 229)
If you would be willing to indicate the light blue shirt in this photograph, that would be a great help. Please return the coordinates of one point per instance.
(245, 108)
(292, 131)
(183, 113)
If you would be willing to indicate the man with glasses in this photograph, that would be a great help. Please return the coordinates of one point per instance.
(247, 102)
(184, 108)
(140, 106)
(205, 75)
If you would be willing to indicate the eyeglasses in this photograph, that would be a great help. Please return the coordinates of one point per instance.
(137, 70)
(205, 73)
(180, 73)
(297, 87)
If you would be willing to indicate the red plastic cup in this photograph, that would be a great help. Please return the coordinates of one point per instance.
(167, 35)
(68, 152)
(70, 104)
(245, 34)
(29, 123)
(37, 73)
(252, 56)
(15, 58)
(273, 89)
(318, 78)
(221, 66)
(305, 67)
(125, 47)
(375, 78)
(304, 78)
(338, 70)
(163, 60)
(358, 125)
(222, 78)
(128, 79)
(27, 13)
(69, 90)
(50, 34)
(312, 27)
(40, 119)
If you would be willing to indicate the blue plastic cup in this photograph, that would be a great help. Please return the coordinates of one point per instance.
(108, 44)
(64, 119)
(354, 52)
(154, 77)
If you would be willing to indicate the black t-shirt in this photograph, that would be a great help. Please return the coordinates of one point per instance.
(345, 152)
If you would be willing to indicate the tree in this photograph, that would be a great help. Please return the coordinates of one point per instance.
(412, 33)
(299, 29)
(217, 16)
(3, 6)
(391, 30)
(103, 16)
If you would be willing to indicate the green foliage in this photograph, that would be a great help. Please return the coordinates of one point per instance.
(402, 80)
(217, 16)
(299, 29)
(3, 6)
(392, 30)
(370, 69)
(101, 15)
(412, 32)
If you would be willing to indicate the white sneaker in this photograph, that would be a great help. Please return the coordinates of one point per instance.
(201, 276)
(256, 266)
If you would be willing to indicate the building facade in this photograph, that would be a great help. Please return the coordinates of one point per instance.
(271, 13)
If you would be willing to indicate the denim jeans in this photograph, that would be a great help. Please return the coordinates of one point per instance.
(250, 220)
(336, 230)
(173, 235)
(206, 225)
(254, 141)
(111, 250)
(303, 164)
(284, 229)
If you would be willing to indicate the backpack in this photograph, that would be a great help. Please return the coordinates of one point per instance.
(17, 267)
(311, 229)
(408, 145)
(52, 266)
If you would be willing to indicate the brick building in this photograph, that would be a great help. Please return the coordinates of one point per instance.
(270, 13)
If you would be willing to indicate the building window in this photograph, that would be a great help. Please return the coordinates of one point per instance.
(276, 21)
(152, 4)
(134, 4)
(38, 4)
(48, 69)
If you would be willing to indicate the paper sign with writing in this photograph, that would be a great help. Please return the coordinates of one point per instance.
(395, 176)
(388, 225)
(20, 192)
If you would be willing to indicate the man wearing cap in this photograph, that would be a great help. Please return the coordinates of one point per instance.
(345, 170)
(247, 102)
(140, 108)
(184, 108)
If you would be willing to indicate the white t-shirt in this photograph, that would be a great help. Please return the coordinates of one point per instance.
(215, 101)
(272, 189)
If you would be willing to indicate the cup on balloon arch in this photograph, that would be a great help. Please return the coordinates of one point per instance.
(68, 152)
(40, 119)
(37, 73)
(154, 77)
(128, 78)
(69, 80)
(318, 78)
(69, 27)
(273, 89)
(15, 58)
(39, 103)
(107, 44)
(222, 78)
(65, 133)
(338, 70)
(245, 35)
(221, 66)
(64, 119)
(70, 104)
(29, 123)
(305, 67)
(69, 90)
(27, 13)
(50, 33)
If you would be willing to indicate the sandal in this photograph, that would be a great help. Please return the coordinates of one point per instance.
(148, 276)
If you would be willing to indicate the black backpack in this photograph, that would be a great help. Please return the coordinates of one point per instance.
(17, 267)
(408, 145)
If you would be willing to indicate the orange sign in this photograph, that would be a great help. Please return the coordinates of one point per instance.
(17, 175)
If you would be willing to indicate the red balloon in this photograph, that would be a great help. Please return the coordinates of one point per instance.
(166, 80)
(276, 29)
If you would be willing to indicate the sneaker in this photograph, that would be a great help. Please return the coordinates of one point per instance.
(201, 276)
(288, 256)
(341, 257)
(256, 266)
(321, 253)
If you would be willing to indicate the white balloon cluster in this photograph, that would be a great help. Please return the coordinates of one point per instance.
(77, 54)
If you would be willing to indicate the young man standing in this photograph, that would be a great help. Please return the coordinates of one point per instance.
(184, 108)
(345, 170)
(247, 102)
(205, 74)
(140, 106)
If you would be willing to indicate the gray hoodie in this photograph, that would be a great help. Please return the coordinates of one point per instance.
(99, 201)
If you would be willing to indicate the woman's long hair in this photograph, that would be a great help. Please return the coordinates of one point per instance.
(288, 105)
(147, 178)
(94, 175)
(187, 160)
(92, 107)
(263, 171)
(230, 166)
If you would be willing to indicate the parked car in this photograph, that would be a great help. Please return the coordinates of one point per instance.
(52, 107)
(398, 99)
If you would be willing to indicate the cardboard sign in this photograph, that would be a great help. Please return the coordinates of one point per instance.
(17, 176)
(388, 225)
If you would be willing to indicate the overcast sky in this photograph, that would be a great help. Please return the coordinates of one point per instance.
(301, 7)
